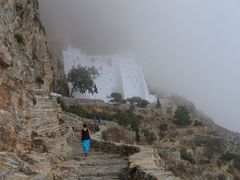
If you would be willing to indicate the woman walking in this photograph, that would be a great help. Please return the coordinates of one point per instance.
(86, 140)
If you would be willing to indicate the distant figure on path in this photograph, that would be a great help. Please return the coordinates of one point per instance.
(97, 121)
(86, 140)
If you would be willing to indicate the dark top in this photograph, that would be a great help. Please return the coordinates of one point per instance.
(85, 135)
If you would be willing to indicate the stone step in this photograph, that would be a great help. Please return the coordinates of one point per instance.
(42, 115)
(43, 118)
(92, 178)
(44, 107)
(90, 170)
(96, 166)
(45, 102)
(45, 99)
(40, 92)
(100, 162)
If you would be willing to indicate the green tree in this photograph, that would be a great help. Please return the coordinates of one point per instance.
(182, 116)
(158, 105)
(138, 101)
(116, 97)
(143, 103)
(82, 79)
(134, 100)
(149, 136)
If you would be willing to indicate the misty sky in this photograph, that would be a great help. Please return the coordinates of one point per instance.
(191, 47)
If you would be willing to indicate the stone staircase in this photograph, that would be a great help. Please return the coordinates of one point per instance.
(97, 166)
(42, 115)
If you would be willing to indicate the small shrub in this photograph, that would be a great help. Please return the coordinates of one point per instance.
(149, 136)
(39, 80)
(209, 153)
(34, 101)
(43, 29)
(163, 153)
(187, 156)
(215, 144)
(162, 134)
(198, 123)
(236, 162)
(116, 98)
(221, 177)
(126, 118)
(158, 105)
(143, 103)
(62, 104)
(78, 110)
(189, 132)
(138, 101)
(39, 145)
(228, 156)
(61, 121)
(50, 134)
(19, 38)
(101, 115)
(163, 127)
(34, 134)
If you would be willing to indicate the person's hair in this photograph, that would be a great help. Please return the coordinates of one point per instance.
(84, 125)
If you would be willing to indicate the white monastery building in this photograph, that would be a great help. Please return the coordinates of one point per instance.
(117, 73)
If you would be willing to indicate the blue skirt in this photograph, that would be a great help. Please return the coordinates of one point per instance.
(86, 145)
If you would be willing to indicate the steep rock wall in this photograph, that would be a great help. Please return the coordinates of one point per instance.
(25, 66)
(24, 56)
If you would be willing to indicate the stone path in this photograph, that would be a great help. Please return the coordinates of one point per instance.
(97, 166)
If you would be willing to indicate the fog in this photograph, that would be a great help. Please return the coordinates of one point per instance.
(188, 47)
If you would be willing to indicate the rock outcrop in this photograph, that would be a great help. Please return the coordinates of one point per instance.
(29, 126)
(25, 67)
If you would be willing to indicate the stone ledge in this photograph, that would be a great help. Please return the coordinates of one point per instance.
(143, 165)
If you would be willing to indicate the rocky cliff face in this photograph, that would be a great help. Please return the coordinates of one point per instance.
(25, 67)
(29, 123)
(25, 62)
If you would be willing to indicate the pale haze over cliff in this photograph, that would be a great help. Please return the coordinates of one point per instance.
(184, 46)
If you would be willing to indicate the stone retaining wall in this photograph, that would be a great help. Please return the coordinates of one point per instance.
(75, 101)
(109, 147)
